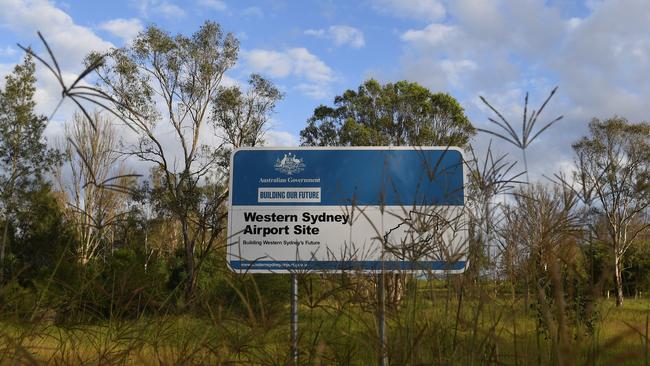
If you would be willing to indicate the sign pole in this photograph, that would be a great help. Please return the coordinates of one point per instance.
(383, 357)
(294, 318)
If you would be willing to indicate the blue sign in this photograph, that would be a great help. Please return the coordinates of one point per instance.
(346, 209)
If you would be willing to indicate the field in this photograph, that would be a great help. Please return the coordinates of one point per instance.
(434, 325)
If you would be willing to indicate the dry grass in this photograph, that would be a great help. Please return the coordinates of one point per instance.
(435, 329)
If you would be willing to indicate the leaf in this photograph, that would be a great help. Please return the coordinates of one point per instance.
(56, 75)
(497, 135)
(545, 127)
(88, 70)
(49, 50)
(509, 129)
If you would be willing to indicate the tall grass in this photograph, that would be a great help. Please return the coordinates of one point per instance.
(429, 327)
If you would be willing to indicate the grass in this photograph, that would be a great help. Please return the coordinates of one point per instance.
(430, 328)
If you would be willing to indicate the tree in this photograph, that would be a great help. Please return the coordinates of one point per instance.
(242, 116)
(398, 114)
(614, 162)
(163, 88)
(24, 156)
(96, 190)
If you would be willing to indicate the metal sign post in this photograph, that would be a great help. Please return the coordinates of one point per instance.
(381, 298)
(294, 318)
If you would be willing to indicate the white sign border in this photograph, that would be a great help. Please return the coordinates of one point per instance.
(344, 148)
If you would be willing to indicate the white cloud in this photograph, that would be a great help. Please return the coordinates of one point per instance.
(294, 62)
(427, 10)
(273, 63)
(502, 48)
(69, 41)
(593, 4)
(280, 138)
(253, 11)
(600, 64)
(604, 62)
(315, 32)
(214, 4)
(432, 35)
(227, 81)
(502, 38)
(4, 70)
(310, 66)
(455, 70)
(314, 91)
(529, 27)
(170, 11)
(159, 7)
(127, 29)
(573, 23)
(483, 18)
(340, 35)
(48, 91)
(8, 51)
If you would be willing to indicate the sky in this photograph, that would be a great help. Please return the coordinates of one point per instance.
(597, 52)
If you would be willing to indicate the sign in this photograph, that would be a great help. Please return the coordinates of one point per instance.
(347, 209)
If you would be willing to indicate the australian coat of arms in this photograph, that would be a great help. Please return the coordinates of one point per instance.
(289, 164)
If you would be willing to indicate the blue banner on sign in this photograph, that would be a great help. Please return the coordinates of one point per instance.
(361, 177)
(389, 265)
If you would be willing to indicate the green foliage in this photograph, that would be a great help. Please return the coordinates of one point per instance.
(24, 157)
(137, 282)
(242, 116)
(598, 263)
(43, 236)
(398, 114)
(40, 253)
(614, 167)
(637, 268)
(186, 73)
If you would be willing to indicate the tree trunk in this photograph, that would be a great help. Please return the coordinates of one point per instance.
(3, 246)
(394, 287)
(619, 280)
(189, 259)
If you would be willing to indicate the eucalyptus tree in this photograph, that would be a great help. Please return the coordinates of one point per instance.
(24, 156)
(164, 88)
(396, 114)
(613, 162)
(241, 117)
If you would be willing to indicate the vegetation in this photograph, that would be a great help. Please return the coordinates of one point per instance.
(103, 266)
(24, 156)
(400, 114)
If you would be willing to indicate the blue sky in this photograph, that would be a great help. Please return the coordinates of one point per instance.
(598, 52)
